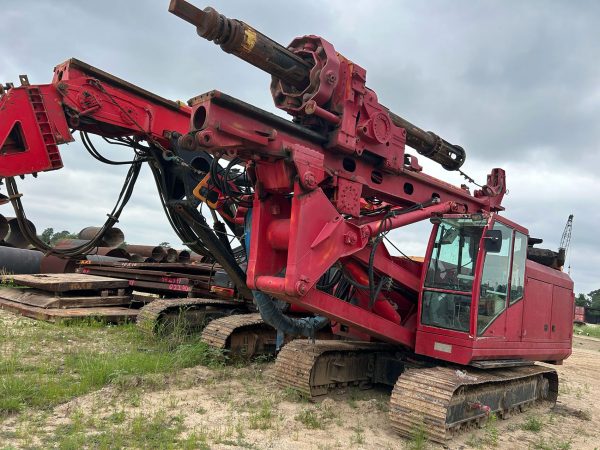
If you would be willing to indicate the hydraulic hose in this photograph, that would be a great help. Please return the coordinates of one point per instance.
(272, 314)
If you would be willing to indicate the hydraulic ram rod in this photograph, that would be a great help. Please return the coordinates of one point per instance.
(241, 40)
(238, 38)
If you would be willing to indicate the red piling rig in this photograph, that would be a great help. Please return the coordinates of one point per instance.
(311, 176)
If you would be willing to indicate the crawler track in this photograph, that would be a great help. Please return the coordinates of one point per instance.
(156, 316)
(446, 400)
(314, 368)
(244, 335)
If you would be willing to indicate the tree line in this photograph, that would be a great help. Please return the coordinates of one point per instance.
(591, 302)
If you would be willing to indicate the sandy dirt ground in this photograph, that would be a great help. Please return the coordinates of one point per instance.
(242, 408)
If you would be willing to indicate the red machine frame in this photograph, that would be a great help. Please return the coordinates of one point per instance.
(313, 176)
(312, 180)
(33, 121)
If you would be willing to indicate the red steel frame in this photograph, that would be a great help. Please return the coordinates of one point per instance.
(308, 194)
(307, 233)
(82, 97)
(308, 188)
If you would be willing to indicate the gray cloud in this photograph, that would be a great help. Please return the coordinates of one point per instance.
(515, 83)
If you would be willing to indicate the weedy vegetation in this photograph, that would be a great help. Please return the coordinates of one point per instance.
(532, 424)
(587, 330)
(43, 365)
(318, 417)
(418, 438)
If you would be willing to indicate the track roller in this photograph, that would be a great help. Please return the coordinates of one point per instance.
(315, 368)
(447, 400)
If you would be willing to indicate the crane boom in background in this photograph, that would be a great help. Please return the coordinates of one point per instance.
(565, 241)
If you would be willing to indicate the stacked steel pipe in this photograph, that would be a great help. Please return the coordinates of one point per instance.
(18, 257)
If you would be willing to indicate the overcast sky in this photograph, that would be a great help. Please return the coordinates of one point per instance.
(517, 84)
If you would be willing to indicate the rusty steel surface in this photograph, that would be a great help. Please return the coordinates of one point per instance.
(195, 257)
(447, 400)
(70, 243)
(134, 257)
(147, 251)
(54, 264)
(113, 237)
(192, 267)
(183, 256)
(103, 259)
(152, 274)
(156, 274)
(155, 281)
(112, 252)
(173, 279)
(115, 252)
(171, 255)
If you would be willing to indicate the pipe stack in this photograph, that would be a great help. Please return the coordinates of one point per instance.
(17, 256)
(14, 237)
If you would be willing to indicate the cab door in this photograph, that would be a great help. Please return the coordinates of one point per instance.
(514, 314)
(494, 287)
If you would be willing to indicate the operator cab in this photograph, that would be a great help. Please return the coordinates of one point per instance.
(473, 280)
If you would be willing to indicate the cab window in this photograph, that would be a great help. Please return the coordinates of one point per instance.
(450, 274)
(494, 281)
(454, 256)
(446, 310)
(518, 268)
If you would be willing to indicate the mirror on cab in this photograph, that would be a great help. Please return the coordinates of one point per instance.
(493, 241)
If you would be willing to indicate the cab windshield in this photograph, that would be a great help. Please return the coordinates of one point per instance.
(447, 296)
(454, 255)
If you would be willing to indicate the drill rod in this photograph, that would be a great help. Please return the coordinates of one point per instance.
(245, 42)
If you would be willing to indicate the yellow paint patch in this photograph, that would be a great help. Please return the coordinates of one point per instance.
(249, 39)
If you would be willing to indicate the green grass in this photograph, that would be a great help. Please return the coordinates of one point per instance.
(491, 431)
(358, 437)
(294, 395)
(261, 416)
(153, 430)
(316, 417)
(532, 424)
(309, 418)
(42, 365)
(418, 438)
(587, 330)
(542, 444)
(6, 279)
